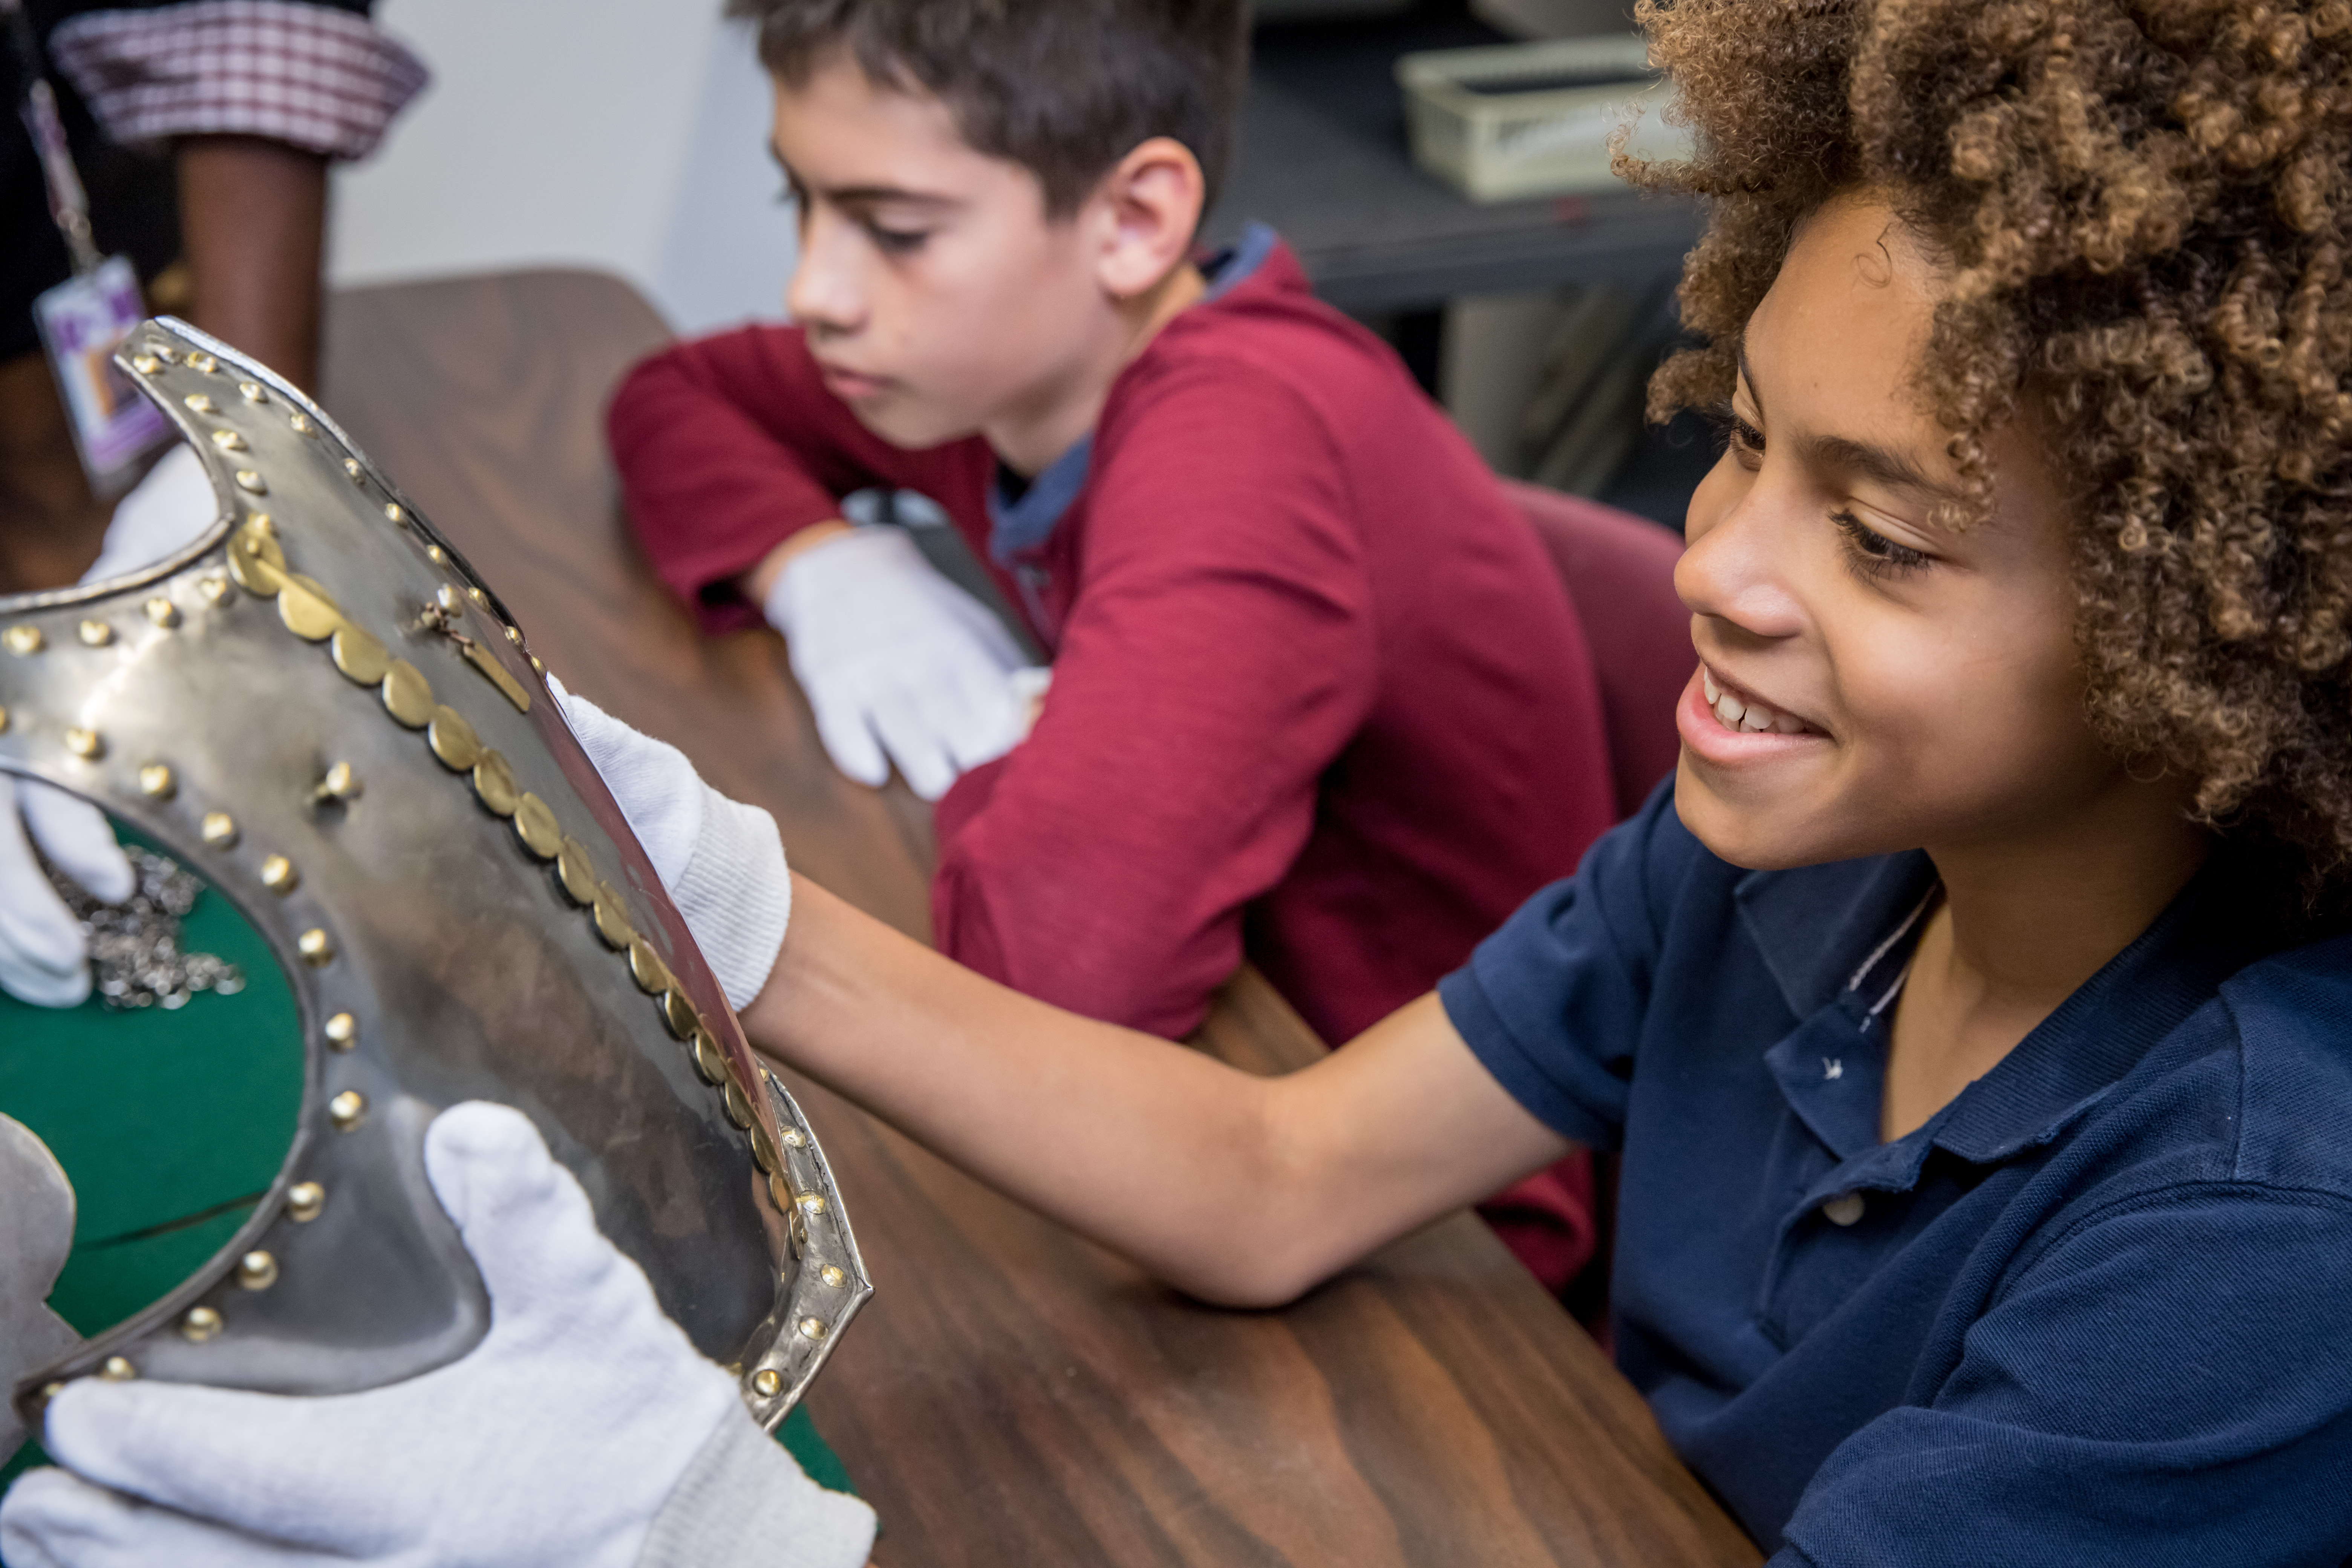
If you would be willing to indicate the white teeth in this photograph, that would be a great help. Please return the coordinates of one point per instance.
(1744, 714)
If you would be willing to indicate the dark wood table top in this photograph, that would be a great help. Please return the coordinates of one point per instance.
(1013, 1393)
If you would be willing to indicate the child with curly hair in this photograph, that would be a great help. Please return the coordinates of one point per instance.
(1971, 1009)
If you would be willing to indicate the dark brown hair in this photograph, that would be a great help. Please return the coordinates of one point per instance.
(1064, 88)
(2142, 209)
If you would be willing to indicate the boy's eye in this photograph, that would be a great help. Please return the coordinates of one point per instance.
(1739, 436)
(897, 241)
(1872, 553)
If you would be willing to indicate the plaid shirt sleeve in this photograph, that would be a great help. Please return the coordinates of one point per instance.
(316, 77)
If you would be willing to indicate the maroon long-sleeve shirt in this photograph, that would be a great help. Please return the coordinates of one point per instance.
(1320, 698)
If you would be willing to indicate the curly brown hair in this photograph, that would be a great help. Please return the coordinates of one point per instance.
(2141, 210)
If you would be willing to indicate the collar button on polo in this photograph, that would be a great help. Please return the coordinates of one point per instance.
(1843, 1209)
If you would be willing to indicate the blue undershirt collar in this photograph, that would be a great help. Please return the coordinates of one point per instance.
(1233, 266)
(1023, 523)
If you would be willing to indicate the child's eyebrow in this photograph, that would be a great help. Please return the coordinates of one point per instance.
(1846, 455)
(857, 195)
(1892, 468)
(870, 196)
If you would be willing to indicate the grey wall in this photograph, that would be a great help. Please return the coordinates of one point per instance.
(627, 135)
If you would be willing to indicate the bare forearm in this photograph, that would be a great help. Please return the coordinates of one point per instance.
(252, 226)
(1150, 1147)
(1239, 1189)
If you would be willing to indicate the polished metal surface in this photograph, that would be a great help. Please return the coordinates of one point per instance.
(474, 921)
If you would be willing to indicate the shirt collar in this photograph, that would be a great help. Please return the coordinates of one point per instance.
(1017, 525)
(1236, 263)
(1837, 938)
(2215, 926)
(1014, 526)
(1827, 930)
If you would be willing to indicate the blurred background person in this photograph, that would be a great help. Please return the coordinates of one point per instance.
(202, 132)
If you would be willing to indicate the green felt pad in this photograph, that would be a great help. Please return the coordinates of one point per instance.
(799, 1435)
(169, 1124)
(27, 1458)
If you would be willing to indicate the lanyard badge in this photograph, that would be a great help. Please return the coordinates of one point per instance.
(85, 318)
(82, 321)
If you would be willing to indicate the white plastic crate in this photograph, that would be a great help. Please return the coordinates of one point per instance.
(1521, 121)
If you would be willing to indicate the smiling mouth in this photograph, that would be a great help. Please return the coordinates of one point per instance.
(1737, 711)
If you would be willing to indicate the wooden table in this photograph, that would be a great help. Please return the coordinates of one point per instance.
(1013, 1393)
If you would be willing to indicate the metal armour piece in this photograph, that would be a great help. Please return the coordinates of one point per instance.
(322, 711)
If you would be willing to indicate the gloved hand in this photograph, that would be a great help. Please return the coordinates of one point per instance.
(584, 1430)
(893, 656)
(163, 513)
(722, 861)
(43, 958)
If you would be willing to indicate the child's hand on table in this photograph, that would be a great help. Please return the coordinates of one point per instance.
(896, 660)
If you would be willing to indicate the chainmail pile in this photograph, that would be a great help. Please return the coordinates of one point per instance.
(134, 946)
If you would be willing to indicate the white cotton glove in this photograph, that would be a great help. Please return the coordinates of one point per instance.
(164, 513)
(894, 658)
(721, 861)
(43, 957)
(582, 1431)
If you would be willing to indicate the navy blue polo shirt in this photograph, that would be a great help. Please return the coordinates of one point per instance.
(2098, 1309)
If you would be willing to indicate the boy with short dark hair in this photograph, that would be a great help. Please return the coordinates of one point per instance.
(1317, 700)
(1970, 1011)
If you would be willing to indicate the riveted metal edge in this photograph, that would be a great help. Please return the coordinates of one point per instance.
(793, 1356)
(257, 562)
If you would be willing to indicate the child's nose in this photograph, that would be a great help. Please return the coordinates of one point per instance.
(1733, 571)
(824, 295)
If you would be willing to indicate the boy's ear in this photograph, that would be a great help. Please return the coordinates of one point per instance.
(1149, 206)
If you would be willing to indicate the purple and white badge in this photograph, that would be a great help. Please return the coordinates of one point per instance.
(82, 321)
